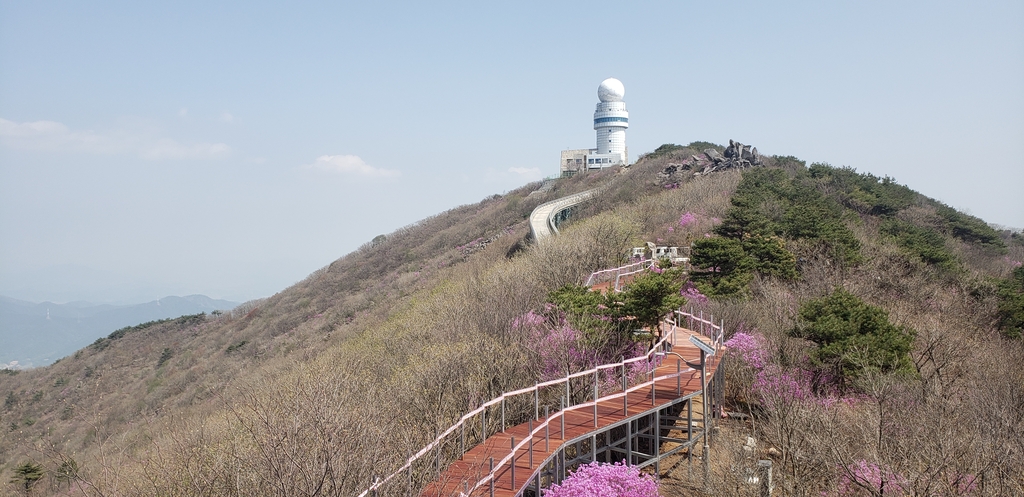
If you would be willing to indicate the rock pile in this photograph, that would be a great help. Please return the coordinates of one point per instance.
(736, 156)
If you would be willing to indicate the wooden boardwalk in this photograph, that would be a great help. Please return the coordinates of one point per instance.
(579, 421)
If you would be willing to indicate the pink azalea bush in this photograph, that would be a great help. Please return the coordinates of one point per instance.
(750, 347)
(866, 478)
(776, 386)
(687, 219)
(599, 479)
(693, 295)
(563, 349)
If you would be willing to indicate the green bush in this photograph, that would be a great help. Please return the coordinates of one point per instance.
(854, 338)
(645, 300)
(27, 475)
(724, 266)
(768, 255)
(865, 193)
(235, 346)
(1011, 304)
(970, 229)
(164, 357)
(769, 203)
(925, 243)
(652, 295)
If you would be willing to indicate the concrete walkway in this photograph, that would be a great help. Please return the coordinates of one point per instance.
(542, 218)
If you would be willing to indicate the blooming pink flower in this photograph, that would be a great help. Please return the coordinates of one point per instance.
(879, 480)
(687, 219)
(693, 295)
(605, 480)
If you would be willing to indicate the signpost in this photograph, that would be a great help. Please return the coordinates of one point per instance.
(705, 351)
(703, 346)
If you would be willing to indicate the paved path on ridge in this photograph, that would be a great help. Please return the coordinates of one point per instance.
(541, 219)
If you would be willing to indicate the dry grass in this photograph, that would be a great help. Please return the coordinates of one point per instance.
(334, 380)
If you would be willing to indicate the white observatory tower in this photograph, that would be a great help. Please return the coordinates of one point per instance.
(611, 119)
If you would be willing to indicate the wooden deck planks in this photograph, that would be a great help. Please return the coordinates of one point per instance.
(474, 465)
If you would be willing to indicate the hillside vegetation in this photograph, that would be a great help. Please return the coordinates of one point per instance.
(331, 382)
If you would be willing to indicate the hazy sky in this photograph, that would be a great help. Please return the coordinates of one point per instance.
(154, 149)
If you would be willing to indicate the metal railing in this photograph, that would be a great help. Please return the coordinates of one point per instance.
(615, 273)
(706, 327)
(652, 359)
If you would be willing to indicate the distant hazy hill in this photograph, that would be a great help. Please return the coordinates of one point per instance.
(38, 334)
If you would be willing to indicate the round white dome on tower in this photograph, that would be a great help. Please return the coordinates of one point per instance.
(611, 90)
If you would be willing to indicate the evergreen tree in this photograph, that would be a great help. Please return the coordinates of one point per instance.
(853, 337)
(27, 475)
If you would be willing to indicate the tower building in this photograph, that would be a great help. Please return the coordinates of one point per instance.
(610, 122)
(611, 118)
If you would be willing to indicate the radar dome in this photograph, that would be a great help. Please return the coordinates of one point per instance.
(611, 90)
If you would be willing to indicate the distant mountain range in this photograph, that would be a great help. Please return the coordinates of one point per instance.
(33, 335)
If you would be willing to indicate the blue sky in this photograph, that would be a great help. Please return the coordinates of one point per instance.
(230, 149)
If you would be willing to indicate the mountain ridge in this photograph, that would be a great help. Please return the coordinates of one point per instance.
(36, 334)
(411, 330)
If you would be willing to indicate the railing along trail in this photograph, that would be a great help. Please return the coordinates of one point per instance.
(660, 382)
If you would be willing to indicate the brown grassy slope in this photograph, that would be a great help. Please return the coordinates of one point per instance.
(102, 399)
(332, 380)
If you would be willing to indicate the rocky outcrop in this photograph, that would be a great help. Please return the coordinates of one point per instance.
(736, 156)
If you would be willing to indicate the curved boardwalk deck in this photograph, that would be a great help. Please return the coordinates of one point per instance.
(463, 475)
(541, 219)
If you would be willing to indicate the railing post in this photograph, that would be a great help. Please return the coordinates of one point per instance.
(503, 412)
(625, 399)
(629, 443)
(491, 469)
(547, 425)
(764, 475)
(595, 399)
(513, 444)
(704, 415)
(561, 419)
(536, 402)
(483, 425)
(657, 443)
(462, 438)
(679, 370)
(531, 444)
(653, 393)
(567, 380)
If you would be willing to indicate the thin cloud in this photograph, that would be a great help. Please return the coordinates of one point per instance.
(350, 164)
(165, 148)
(527, 172)
(54, 136)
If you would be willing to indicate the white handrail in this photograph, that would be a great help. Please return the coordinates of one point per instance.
(629, 268)
(490, 476)
(713, 328)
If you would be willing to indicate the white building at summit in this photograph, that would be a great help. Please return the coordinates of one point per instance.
(610, 121)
